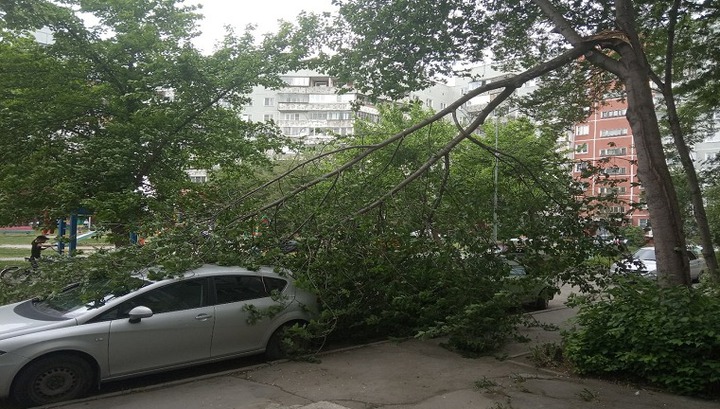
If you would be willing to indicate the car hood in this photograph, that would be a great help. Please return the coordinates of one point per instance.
(634, 265)
(13, 324)
(650, 265)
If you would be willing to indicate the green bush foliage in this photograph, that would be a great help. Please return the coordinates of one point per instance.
(400, 285)
(669, 337)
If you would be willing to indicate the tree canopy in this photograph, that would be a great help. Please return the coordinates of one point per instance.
(392, 47)
(109, 114)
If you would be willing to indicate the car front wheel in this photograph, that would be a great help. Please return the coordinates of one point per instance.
(541, 303)
(53, 379)
(283, 344)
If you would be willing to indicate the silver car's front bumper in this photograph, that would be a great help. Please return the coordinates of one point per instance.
(10, 364)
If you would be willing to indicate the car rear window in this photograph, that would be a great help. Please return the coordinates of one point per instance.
(275, 284)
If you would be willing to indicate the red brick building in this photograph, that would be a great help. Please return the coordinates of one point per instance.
(606, 135)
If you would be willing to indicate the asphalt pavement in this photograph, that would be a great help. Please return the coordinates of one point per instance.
(411, 374)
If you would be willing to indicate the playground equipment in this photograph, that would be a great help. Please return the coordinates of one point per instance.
(71, 230)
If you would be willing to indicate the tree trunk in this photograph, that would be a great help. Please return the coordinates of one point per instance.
(694, 186)
(672, 261)
(682, 148)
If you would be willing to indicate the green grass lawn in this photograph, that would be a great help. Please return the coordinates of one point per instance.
(5, 252)
(17, 238)
(21, 238)
(25, 240)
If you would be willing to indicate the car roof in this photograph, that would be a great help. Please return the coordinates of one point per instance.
(214, 269)
(209, 270)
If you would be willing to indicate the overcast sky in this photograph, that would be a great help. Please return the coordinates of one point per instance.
(240, 13)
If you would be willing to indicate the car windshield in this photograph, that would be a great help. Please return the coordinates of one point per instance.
(645, 254)
(77, 299)
(517, 270)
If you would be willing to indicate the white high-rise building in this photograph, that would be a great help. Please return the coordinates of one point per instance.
(705, 152)
(312, 107)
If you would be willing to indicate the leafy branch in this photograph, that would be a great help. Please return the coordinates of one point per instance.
(508, 86)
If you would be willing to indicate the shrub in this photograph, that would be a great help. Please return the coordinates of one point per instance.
(669, 337)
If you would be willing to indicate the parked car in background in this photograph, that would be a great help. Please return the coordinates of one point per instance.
(58, 348)
(533, 292)
(644, 263)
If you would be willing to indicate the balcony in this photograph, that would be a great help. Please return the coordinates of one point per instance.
(306, 106)
(314, 123)
(308, 90)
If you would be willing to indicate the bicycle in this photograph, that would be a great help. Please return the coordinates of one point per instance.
(14, 275)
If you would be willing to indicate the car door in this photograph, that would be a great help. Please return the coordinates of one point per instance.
(180, 330)
(696, 265)
(241, 321)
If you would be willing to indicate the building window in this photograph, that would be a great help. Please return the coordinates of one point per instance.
(269, 102)
(330, 98)
(615, 170)
(319, 115)
(294, 98)
(613, 132)
(616, 209)
(613, 113)
(298, 81)
(581, 148)
(582, 130)
(613, 152)
(581, 166)
(291, 131)
(292, 117)
(610, 190)
(268, 117)
(429, 103)
(643, 223)
(246, 117)
(198, 179)
(339, 115)
(443, 106)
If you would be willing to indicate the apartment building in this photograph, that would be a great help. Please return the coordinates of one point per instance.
(605, 140)
(706, 152)
(308, 107)
(312, 108)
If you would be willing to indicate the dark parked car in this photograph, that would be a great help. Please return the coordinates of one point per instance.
(532, 291)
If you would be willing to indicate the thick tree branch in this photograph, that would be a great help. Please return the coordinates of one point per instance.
(564, 28)
(441, 191)
(505, 94)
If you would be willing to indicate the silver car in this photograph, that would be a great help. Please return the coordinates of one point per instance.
(643, 262)
(57, 349)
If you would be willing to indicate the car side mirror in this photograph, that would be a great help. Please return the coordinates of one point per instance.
(138, 313)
